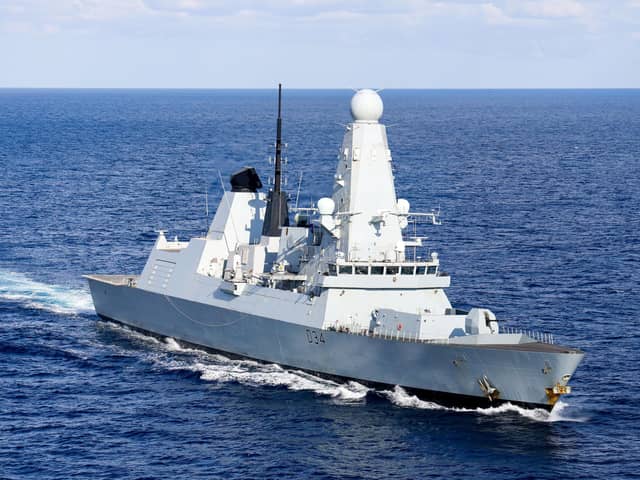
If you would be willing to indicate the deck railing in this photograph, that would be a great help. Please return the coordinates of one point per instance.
(403, 336)
(541, 337)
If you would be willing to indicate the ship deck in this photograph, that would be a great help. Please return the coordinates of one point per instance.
(118, 280)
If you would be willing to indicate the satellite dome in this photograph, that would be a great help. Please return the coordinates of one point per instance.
(326, 206)
(403, 206)
(366, 106)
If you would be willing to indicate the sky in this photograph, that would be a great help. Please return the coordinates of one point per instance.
(320, 43)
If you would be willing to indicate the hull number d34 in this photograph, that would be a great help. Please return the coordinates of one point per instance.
(314, 336)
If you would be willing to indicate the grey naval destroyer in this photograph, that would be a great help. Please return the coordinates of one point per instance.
(337, 290)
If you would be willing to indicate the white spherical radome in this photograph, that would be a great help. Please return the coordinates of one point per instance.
(403, 206)
(366, 106)
(326, 206)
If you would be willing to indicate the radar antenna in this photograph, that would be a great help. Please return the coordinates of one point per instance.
(277, 213)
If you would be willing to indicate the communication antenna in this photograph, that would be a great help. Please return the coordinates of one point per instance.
(277, 180)
(277, 213)
(298, 192)
(206, 206)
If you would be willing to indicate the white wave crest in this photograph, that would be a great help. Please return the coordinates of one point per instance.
(220, 369)
(172, 345)
(18, 288)
(398, 396)
(217, 368)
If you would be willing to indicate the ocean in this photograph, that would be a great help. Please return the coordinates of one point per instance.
(540, 199)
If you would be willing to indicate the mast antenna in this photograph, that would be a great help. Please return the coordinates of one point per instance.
(278, 174)
(206, 206)
(298, 192)
(277, 213)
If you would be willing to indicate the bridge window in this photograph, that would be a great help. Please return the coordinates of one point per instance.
(392, 270)
(407, 270)
(377, 270)
(362, 269)
(332, 269)
(346, 269)
(420, 269)
(431, 270)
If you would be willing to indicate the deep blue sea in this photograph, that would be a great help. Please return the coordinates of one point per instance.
(540, 200)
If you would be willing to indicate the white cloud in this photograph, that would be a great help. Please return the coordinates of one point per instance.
(473, 43)
(285, 7)
(41, 16)
(495, 16)
(90, 9)
(498, 12)
(410, 15)
(548, 8)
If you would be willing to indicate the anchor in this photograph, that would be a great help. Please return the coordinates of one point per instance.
(489, 390)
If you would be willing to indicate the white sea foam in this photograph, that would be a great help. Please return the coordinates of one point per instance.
(276, 376)
(172, 345)
(18, 288)
(220, 369)
(398, 396)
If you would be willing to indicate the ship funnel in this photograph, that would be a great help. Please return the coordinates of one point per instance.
(277, 213)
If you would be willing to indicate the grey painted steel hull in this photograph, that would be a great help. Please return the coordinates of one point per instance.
(448, 373)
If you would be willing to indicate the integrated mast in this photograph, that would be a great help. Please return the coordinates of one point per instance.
(277, 213)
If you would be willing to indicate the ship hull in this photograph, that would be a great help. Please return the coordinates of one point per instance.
(449, 374)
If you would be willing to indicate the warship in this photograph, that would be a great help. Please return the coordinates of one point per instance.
(342, 289)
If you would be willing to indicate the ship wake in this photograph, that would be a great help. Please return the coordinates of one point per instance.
(20, 289)
(220, 369)
(211, 367)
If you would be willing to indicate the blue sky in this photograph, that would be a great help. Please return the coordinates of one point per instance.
(320, 43)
